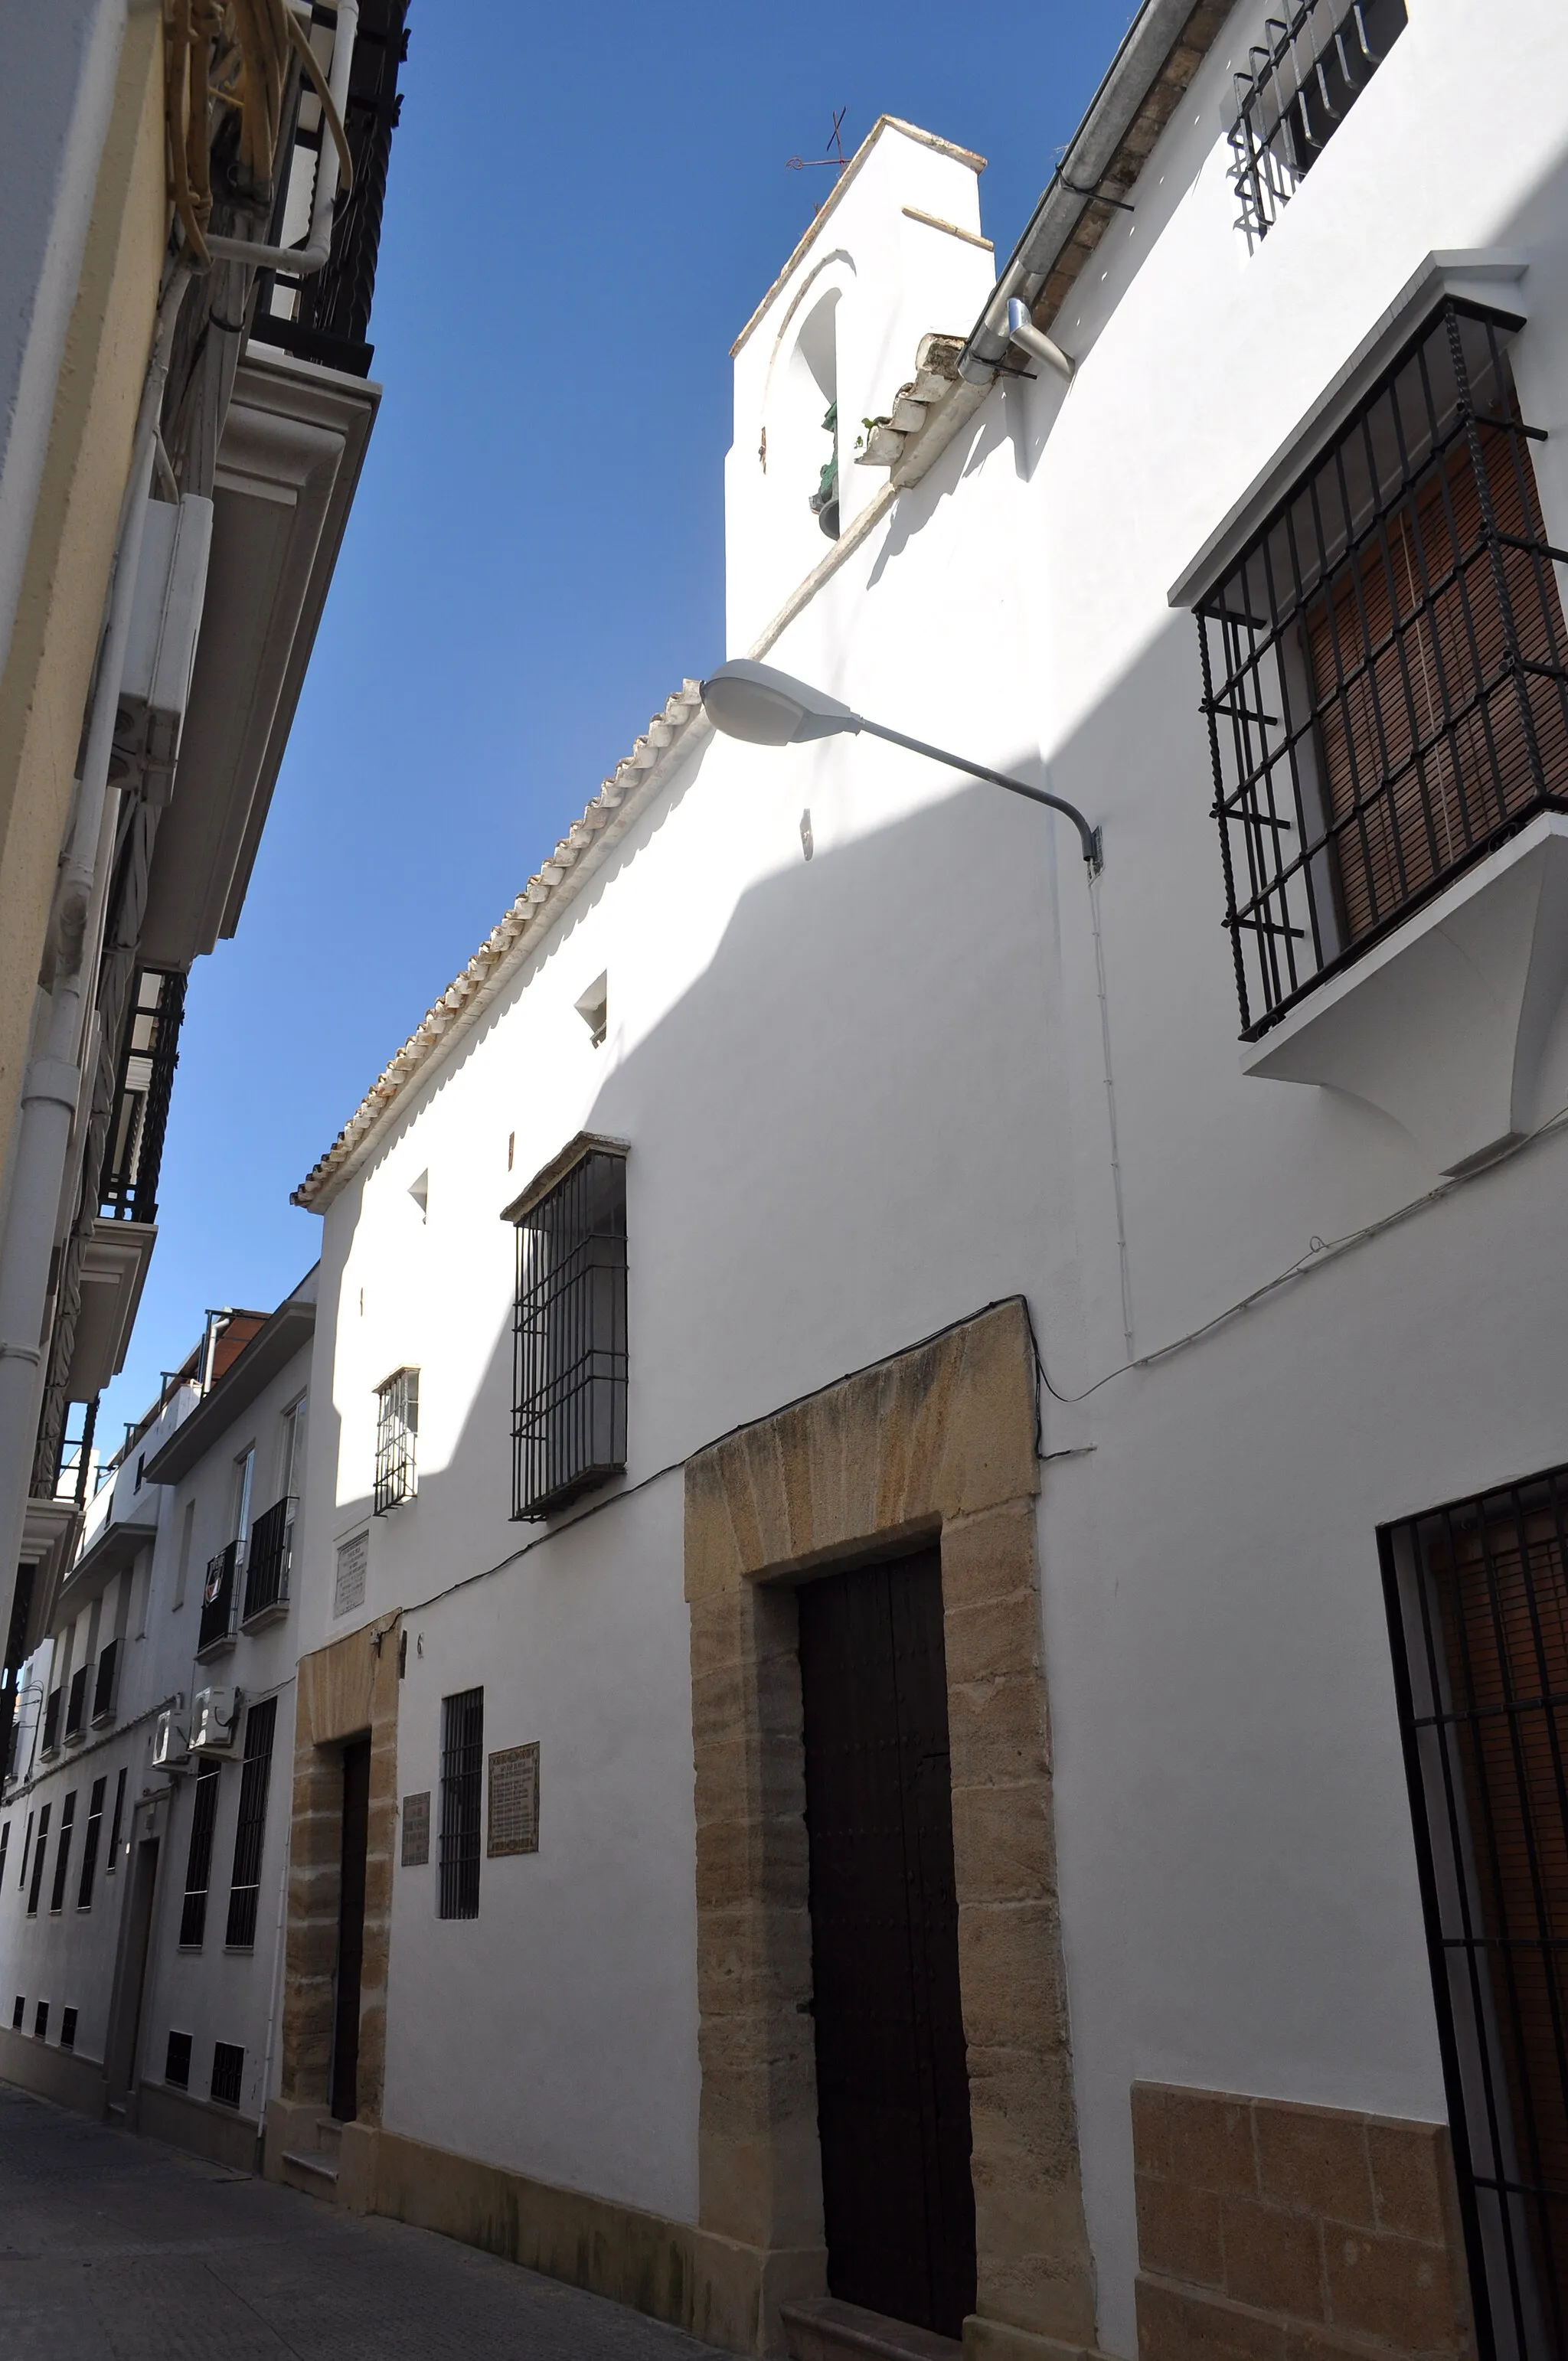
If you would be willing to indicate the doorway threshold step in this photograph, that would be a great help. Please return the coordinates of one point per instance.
(821, 2328)
(318, 2174)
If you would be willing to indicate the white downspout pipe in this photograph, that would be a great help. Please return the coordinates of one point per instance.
(304, 261)
(51, 1087)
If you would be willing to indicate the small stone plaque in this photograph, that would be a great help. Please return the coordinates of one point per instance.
(349, 1590)
(416, 1830)
(514, 1801)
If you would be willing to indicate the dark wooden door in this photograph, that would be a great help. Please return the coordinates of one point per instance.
(891, 2076)
(351, 1930)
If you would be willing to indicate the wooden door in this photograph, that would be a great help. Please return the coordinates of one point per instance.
(891, 2073)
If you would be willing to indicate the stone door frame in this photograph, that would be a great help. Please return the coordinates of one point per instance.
(937, 1442)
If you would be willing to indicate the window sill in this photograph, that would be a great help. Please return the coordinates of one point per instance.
(1444, 1025)
(215, 1648)
(272, 1613)
(101, 1720)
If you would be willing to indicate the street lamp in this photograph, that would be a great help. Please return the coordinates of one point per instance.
(771, 708)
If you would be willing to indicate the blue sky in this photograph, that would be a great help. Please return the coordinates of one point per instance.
(584, 209)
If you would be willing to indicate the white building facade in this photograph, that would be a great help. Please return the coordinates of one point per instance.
(868, 1378)
(145, 1823)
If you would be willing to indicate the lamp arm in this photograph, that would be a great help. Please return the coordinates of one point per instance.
(1093, 852)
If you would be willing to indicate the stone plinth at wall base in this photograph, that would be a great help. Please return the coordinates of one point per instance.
(196, 2125)
(739, 2292)
(823, 2328)
(1000, 2340)
(356, 2167)
(54, 2073)
(289, 2124)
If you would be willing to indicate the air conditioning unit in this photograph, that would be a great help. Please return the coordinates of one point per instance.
(160, 653)
(215, 1722)
(170, 1745)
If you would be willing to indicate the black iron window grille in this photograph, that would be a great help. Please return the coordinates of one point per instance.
(1385, 669)
(51, 1721)
(1477, 1600)
(5, 1848)
(133, 1151)
(218, 1598)
(199, 1861)
(90, 1838)
(461, 1761)
(27, 1849)
(19, 2012)
(326, 318)
(569, 1332)
(245, 1886)
(76, 1703)
(228, 2072)
(63, 1853)
(40, 2021)
(397, 1439)
(68, 2029)
(113, 1862)
(1298, 88)
(104, 1686)
(269, 1560)
(177, 2061)
(36, 1888)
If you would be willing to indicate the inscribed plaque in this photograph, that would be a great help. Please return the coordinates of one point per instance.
(514, 1800)
(416, 1830)
(349, 1590)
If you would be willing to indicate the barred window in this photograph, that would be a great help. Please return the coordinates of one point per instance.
(1385, 668)
(62, 1852)
(462, 1759)
(570, 1362)
(76, 1702)
(1299, 85)
(244, 1888)
(36, 1886)
(68, 2029)
(104, 1684)
(228, 2072)
(199, 1861)
(113, 1862)
(89, 1843)
(397, 1432)
(177, 2061)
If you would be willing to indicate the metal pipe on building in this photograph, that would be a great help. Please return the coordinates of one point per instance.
(304, 261)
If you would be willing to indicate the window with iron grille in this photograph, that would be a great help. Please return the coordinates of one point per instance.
(68, 2029)
(1298, 88)
(27, 1849)
(270, 1556)
(177, 2061)
(104, 1686)
(218, 1600)
(244, 1888)
(40, 2021)
(1477, 1600)
(90, 1838)
(228, 2071)
(62, 1852)
(113, 1862)
(199, 1861)
(396, 1434)
(5, 1848)
(19, 2013)
(1385, 669)
(39, 1850)
(569, 1330)
(76, 1703)
(461, 1761)
(51, 1721)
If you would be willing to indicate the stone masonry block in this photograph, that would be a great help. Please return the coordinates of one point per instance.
(1209, 2139)
(1314, 2160)
(1178, 2231)
(1411, 2174)
(1395, 2288)
(1272, 2259)
(995, 1730)
(988, 1557)
(994, 1635)
(1001, 1843)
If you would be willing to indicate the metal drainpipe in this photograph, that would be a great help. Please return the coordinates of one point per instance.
(51, 1087)
(302, 262)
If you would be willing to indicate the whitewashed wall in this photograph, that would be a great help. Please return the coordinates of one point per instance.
(866, 1095)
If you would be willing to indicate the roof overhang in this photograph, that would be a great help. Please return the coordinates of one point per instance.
(293, 444)
(118, 1546)
(49, 1537)
(269, 1351)
(113, 1272)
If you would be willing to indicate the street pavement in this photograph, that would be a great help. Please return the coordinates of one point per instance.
(114, 2248)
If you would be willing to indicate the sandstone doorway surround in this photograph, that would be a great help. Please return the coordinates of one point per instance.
(938, 1442)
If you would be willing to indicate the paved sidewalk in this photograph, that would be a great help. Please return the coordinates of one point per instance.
(113, 2249)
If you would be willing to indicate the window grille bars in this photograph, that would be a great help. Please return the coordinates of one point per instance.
(90, 1842)
(569, 1337)
(397, 1439)
(245, 1886)
(103, 1685)
(1385, 669)
(218, 1598)
(76, 1702)
(1477, 1603)
(133, 1152)
(177, 2061)
(461, 1760)
(51, 1722)
(1298, 88)
(270, 1557)
(113, 1862)
(199, 1861)
(63, 1855)
(68, 2029)
(228, 2072)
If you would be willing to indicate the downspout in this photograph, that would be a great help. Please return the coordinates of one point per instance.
(51, 1086)
(304, 261)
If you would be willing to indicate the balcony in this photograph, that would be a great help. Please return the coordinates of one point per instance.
(51, 1723)
(103, 1688)
(217, 1634)
(270, 1557)
(76, 1706)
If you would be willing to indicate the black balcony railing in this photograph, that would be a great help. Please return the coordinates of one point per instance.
(269, 1558)
(134, 1149)
(103, 1688)
(1297, 87)
(51, 1721)
(76, 1703)
(327, 318)
(218, 1598)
